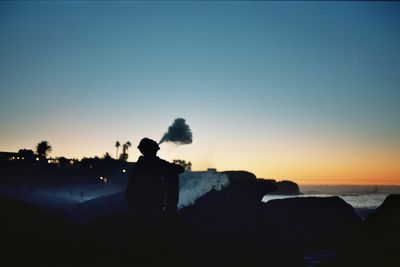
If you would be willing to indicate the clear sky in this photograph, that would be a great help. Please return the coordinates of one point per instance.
(307, 91)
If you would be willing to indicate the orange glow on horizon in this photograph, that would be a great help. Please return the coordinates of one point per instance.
(304, 161)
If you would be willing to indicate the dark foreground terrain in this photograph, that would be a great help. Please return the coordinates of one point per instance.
(231, 227)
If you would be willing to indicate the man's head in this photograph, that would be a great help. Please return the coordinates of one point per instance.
(148, 147)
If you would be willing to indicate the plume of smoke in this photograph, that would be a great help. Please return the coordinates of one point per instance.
(179, 133)
(195, 184)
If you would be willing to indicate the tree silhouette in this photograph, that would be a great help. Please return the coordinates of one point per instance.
(186, 165)
(127, 145)
(124, 154)
(117, 145)
(43, 148)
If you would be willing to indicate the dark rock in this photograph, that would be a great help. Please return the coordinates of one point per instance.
(388, 213)
(16, 212)
(286, 188)
(265, 187)
(222, 234)
(240, 176)
(235, 221)
(120, 238)
(242, 230)
(363, 213)
(227, 228)
(30, 237)
(223, 225)
(245, 188)
(283, 187)
(308, 223)
(101, 206)
(268, 180)
(375, 241)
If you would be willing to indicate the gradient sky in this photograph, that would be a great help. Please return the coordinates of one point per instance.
(307, 91)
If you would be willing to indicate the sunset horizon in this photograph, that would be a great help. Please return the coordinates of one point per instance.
(343, 177)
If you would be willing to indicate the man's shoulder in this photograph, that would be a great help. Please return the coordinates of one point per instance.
(139, 161)
(152, 161)
(161, 160)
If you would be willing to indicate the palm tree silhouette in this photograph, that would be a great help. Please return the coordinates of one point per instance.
(124, 155)
(128, 145)
(117, 145)
(43, 148)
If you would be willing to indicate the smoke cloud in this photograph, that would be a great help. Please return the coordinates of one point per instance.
(179, 133)
(195, 184)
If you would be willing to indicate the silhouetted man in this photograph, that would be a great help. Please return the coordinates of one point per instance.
(153, 192)
(153, 186)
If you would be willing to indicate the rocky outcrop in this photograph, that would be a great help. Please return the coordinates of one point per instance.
(29, 236)
(100, 206)
(265, 187)
(309, 222)
(240, 176)
(245, 187)
(280, 230)
(388, 213)
(229, 227)
(375, 241)
(286, 188)
(259, 187)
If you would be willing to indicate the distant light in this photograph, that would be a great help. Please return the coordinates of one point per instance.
(12, 158)
(71, 162)
(17, 157)
(101, 178)
(49, 161)
(22, 158)
(123, 170)
(105, 180)
(37, 159)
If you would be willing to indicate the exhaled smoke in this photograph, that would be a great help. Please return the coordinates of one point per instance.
(179, 133)
(195, 184)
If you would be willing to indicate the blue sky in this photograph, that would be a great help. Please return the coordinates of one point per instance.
(265, 86)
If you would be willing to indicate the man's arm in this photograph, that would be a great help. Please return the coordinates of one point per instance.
(172, 168)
